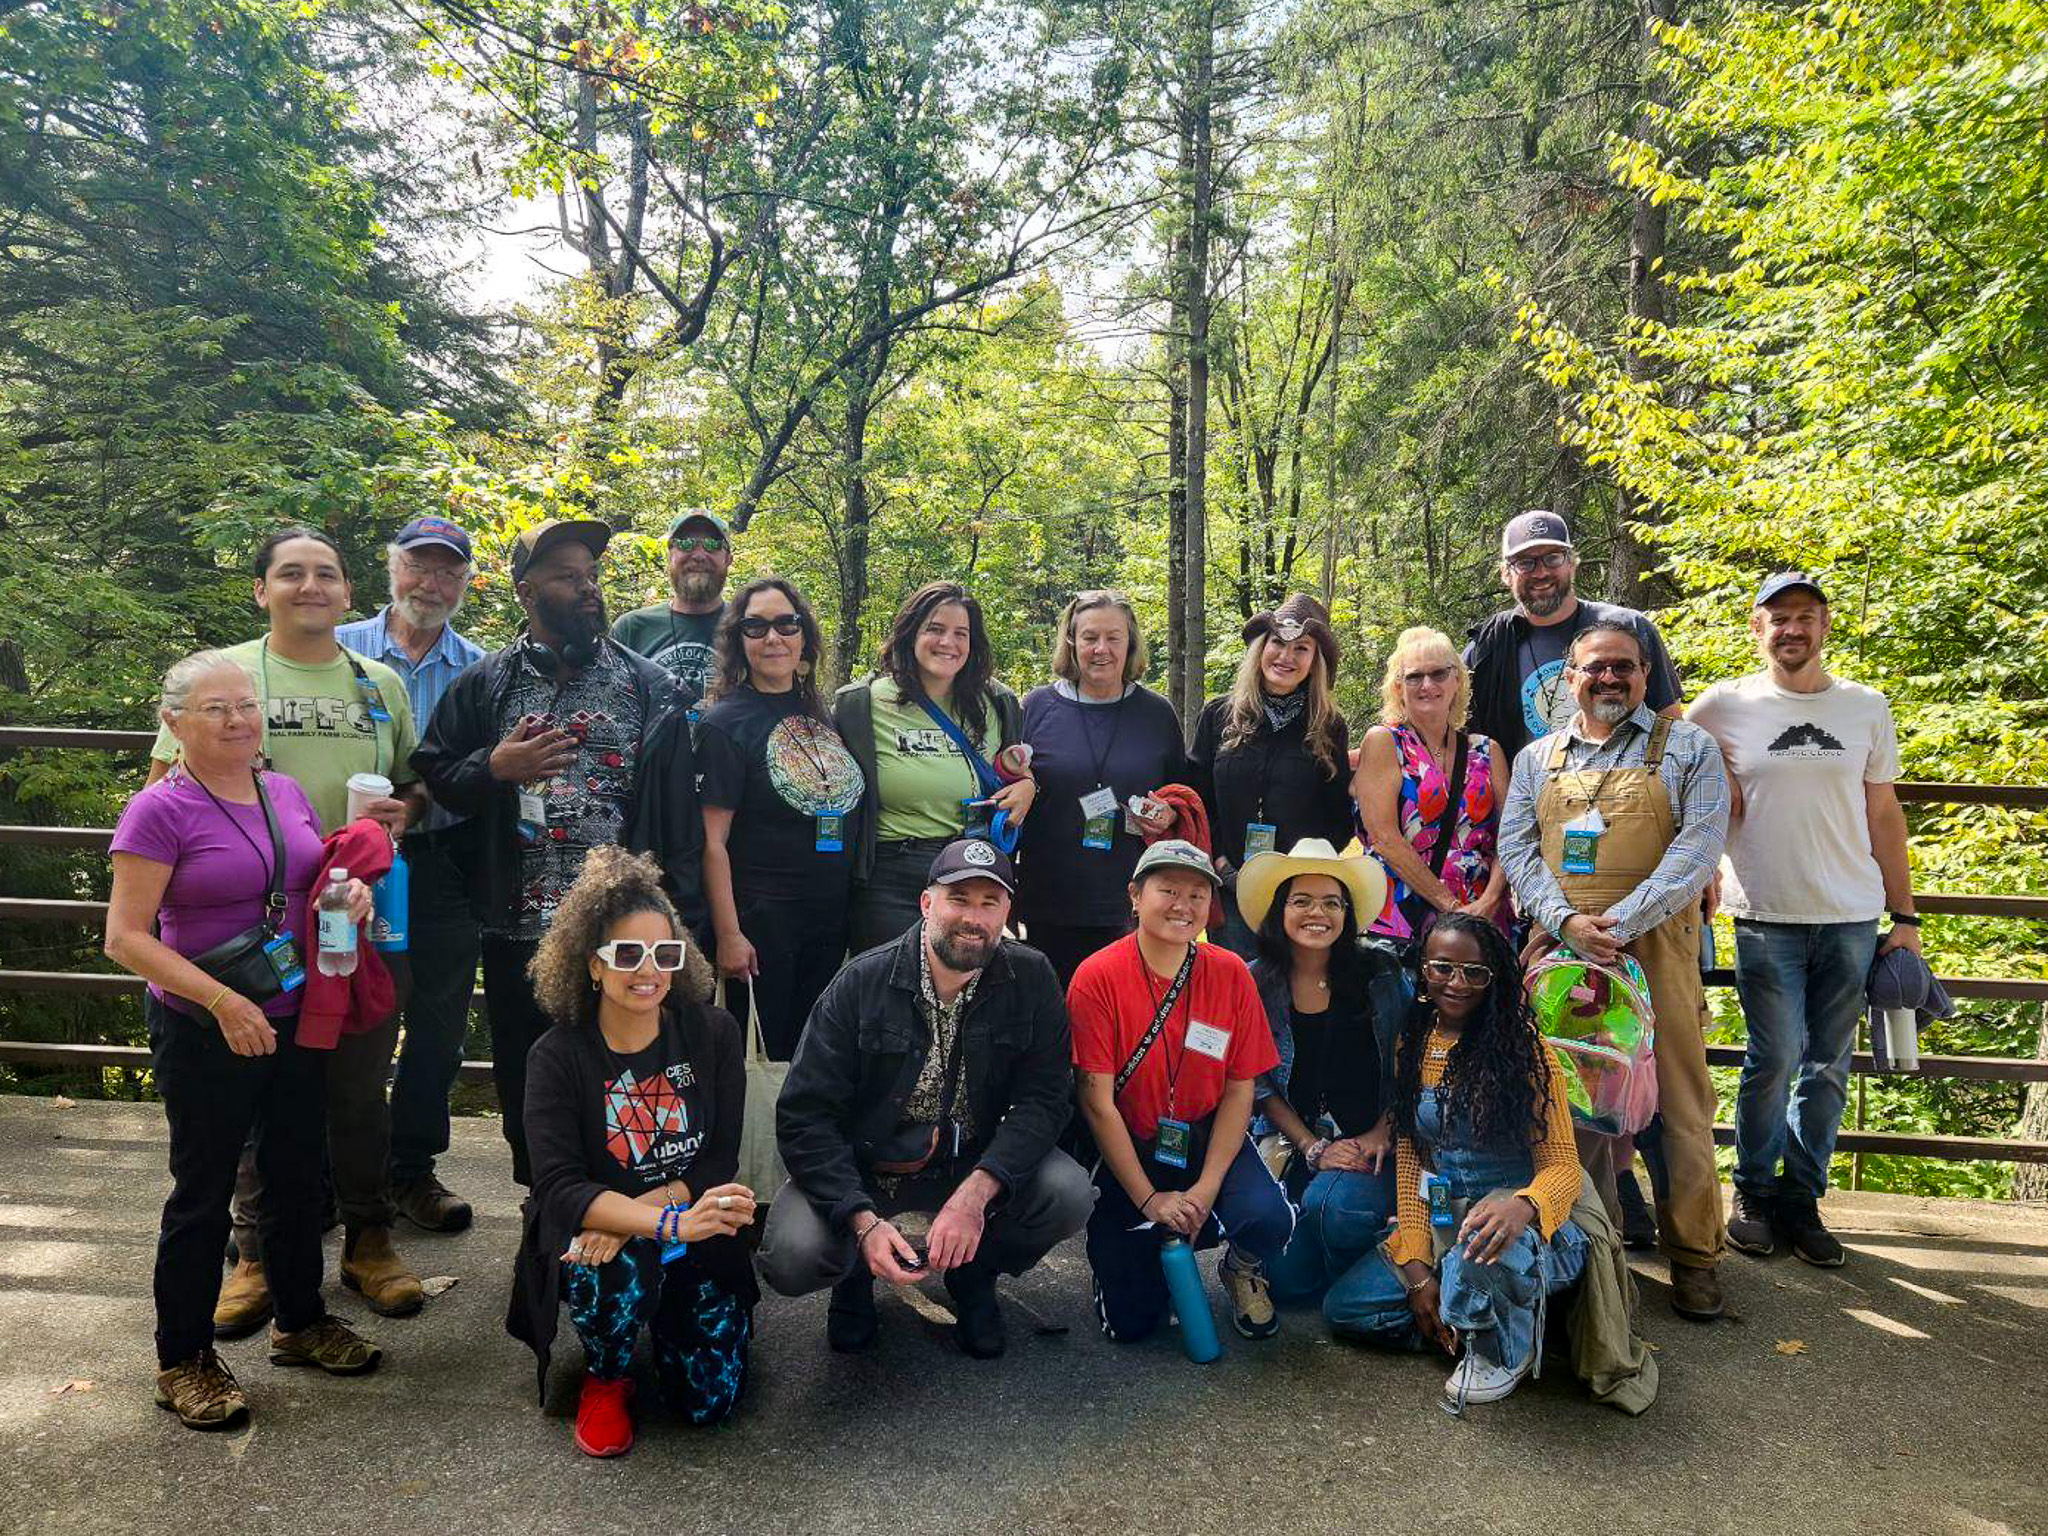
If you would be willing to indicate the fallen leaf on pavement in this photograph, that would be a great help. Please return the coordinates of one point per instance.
(78, 1385)
(1791, 1346)
(60, 1102)
(434, 1285)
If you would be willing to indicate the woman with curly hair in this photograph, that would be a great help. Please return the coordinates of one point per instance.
(781, 797)
(633, 1107)
(1485, 1172)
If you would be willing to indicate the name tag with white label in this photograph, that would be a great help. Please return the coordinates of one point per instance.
(1207, 1040)
(1099, 802)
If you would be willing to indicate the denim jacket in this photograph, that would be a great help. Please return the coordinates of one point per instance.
(1389, 989)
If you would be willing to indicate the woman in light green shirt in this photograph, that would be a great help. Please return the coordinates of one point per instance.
(918, 780)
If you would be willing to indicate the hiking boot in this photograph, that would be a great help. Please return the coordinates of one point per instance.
(1251, 1298)
(429, 1205)
(330, 1344)
(371, 1268)
(1638, 1221)
(1749, 1224)
(202, 1393)
(244, 1304)
(604, 1422)
(1480, 1380)
(850, 1322)
(1695, 1292)
(1799, 1221)
(973, 1290)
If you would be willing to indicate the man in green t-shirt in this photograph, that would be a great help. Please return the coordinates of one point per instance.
(677, 634)
(328, 714)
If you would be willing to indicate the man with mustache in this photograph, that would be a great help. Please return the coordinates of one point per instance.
(414, 634)
(1817, 855)
(562, 741)
(932, 1077)
(1613, 827)
(678, 633)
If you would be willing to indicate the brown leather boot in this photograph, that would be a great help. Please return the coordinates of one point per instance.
(244, 1304)
(1695, 1292)
(372, 1268)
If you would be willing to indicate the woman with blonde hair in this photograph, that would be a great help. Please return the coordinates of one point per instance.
(1429, 792)
(634, 1102)
(1270, 757)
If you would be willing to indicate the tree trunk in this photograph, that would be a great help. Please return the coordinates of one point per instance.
(853, 544)
(1177, 448)
(1201, 195)
(2030, 1180)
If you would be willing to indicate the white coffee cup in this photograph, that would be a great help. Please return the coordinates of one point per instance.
(362, 789)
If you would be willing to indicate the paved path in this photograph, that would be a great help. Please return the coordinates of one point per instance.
(1912, 1406)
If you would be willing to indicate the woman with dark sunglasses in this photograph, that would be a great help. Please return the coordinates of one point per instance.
(634, 1102)
(782, 812)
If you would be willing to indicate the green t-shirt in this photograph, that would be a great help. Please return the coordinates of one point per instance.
(920, 775)
(317, 725)
(681, 642)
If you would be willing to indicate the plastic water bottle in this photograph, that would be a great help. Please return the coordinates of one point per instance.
(393, 898)
(337, 952)
(1190, 1301)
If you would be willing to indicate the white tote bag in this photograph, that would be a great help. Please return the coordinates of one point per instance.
(761, 1167)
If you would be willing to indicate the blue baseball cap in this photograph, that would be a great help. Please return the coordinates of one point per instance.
(433, 530)
(1788, 581)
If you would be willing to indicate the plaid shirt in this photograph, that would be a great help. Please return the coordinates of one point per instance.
(1693, 776)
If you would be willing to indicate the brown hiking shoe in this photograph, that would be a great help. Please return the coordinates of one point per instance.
(372, 1268)
(330, 1344)
(429, 1204)
(244, 1304)
(202, 1393)
(1695, 1292)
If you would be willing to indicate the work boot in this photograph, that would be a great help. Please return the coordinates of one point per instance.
(850, 1322)
(1695, 1292)
(429, 1205)
(1798, 1217)
(372, 1268)
(1638, 1221)
(202, 1393)
(1749, 1224)
(1251, 1298)
(330, 1344)
(973, 1290)
(244, 1304)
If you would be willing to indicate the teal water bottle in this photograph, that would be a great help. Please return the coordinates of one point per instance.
(1190, 1301)
(392, 898)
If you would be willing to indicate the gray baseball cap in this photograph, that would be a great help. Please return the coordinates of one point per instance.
(1174, 853)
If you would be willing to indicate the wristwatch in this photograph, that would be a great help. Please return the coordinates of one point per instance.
(1904, 919)
(1313, 1154)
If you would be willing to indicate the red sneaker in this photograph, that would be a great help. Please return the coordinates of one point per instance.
(604, 1424)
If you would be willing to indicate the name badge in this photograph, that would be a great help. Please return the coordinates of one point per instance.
(831, 827)
(1098, 803)
(533, 815)
(1259, 837)
(670, 1252)
(1207, 1040)
(1438, 1194)
(283, 954)
(1098, 819)
(373, 703)
(1582, 843)
(1176, 1141)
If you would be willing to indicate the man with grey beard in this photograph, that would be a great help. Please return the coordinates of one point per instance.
(414, 634)
(1612, 829)
(678, 633)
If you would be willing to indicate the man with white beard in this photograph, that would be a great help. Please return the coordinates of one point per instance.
(415, 636)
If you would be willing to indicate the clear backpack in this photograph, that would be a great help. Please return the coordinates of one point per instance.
(1599, 1025)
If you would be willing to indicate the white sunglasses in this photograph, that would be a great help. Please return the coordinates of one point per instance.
(631, 954)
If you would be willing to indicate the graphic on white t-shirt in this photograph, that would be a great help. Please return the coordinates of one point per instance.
(1805, 740)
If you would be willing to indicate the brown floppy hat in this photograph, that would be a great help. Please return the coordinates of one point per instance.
(1299, 615)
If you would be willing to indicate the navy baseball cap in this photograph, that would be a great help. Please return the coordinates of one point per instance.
(973, 858)
(433, 530)
(1534, 530)
(1788, 581)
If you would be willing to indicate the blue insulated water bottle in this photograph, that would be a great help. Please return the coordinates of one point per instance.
(1190, 1301)
(392, 901)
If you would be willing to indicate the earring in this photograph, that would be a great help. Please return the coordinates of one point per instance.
(596, 985)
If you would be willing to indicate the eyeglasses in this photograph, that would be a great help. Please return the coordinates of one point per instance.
(1623, 669)
(710, 543)
(440, 575)
(631, 954)
(1437, 675)
(220, 714)
(1332, 906)
(1549, 560)
(782, 624)
(1447, 971)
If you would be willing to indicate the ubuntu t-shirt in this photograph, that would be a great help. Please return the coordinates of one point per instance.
(1801, 852)
(681, 642)
(1217, 1033)
(778, 770)
(922, 776)
(654, 1115)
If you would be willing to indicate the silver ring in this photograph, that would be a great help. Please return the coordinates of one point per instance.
(725, 1202)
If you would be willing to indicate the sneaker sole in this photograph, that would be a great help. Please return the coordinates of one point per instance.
(279, 1357)
(1254, 1330)
(381, 1308)
(459, 1223)
(1835, 1263)
(606, 1455)
(1755, 1250)
(239, 1416)
(242, 1326)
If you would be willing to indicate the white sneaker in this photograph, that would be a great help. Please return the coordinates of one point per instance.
(1478, 1380)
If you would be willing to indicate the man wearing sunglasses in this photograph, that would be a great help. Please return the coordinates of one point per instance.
(1613, 828)
(1519, 690)
(558, 743)
(677, 633)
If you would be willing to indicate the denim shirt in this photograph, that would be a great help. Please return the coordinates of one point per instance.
(1389, 989)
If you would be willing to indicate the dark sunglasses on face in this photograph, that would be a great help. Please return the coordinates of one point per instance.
(1437, 675)
(1443, 972)
(782, 624)
(1617, 669)
(710, 543)
(628, 954)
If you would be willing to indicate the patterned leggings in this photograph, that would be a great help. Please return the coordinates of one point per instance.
(701, 1331)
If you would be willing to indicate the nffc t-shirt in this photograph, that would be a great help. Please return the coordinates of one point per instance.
(1217, 1034)
(1801, 852)
(923, 776)
(318, 727)
(680, 642)
(777, 770)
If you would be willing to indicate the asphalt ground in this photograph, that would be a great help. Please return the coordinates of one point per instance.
(1901, 1394)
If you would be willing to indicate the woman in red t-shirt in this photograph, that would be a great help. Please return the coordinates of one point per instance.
(1175, 1156)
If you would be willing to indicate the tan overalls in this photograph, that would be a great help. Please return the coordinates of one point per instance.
(1640, 826)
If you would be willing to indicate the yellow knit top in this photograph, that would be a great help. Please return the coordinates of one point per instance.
(1553, 1185)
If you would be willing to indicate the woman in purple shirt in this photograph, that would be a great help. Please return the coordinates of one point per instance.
(194, 855)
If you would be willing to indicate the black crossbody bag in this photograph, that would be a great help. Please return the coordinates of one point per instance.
(252, 962)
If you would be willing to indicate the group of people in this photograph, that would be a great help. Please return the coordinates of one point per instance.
(1037, 965)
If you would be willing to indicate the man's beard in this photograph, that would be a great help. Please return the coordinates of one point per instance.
(699, 586)
(962, 948)
(571, 621)
(1542, 605)
(1612, 710)
(425, 612)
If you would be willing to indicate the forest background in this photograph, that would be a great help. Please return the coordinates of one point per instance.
(1207, 299)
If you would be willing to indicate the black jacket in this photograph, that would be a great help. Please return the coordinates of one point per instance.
(454, 758)
(1274, 773)
(866, 1042)
(1494, 657)
(853, 712)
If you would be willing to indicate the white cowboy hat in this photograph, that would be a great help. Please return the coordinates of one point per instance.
(1265, 874)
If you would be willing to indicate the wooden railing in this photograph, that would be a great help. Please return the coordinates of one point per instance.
(1853, 1141)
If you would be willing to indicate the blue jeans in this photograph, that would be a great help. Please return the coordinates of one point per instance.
(1801, 986)
(1343, 1215)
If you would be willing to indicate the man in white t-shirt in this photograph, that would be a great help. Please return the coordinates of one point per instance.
(1816, 855)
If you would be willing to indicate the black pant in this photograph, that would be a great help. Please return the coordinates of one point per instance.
(799, 946)
(214, 1100)
(1066, 946)
(443, 954)
(516, 1022)
(885, 904)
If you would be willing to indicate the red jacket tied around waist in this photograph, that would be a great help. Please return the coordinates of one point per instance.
(334, 1006)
